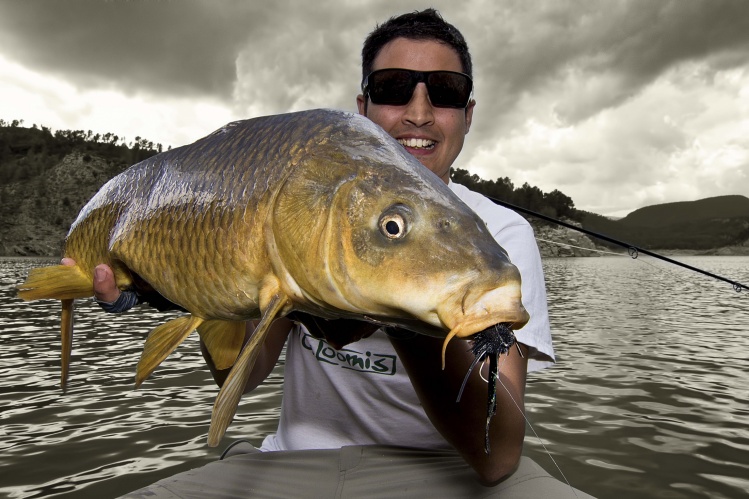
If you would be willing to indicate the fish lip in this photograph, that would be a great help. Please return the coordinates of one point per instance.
(477, 312)
(474, 325)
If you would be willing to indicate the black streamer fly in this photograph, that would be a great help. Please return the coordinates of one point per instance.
(491, 342)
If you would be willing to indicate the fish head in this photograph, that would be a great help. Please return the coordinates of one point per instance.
(363, 229)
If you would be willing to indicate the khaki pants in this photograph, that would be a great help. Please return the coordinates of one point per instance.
(355, 472)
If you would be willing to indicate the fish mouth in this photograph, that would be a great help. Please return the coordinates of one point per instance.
(476, 329)
(478, 311)
(500, 306)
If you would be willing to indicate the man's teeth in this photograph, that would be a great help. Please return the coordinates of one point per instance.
(416, 143)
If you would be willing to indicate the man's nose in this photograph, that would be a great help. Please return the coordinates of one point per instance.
(419, 110)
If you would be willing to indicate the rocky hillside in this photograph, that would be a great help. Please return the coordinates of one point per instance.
(46, 177)
(557, 241)
(35, 217)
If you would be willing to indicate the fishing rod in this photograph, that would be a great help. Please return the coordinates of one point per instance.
(633, 250)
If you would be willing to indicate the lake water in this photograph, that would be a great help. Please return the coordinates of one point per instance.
(649, 398)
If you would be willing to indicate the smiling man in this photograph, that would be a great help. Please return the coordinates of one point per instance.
(433, 133)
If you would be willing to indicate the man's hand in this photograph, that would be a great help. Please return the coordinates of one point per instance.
(105, 286)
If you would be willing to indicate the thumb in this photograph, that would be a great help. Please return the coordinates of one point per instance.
(105, 287)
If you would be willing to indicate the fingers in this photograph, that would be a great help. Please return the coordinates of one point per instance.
(105, 287)
(107, 294)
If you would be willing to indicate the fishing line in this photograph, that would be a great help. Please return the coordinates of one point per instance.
(484, 349)
(672, 273)
(538, 438)
(634, 251)
(661, 269)
(528, 421)
(578, 247)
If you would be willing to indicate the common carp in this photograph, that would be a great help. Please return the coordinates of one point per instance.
(319, 212)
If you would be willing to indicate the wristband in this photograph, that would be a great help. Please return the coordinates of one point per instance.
(126, 301)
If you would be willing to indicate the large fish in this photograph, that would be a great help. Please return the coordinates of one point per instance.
(319, 212)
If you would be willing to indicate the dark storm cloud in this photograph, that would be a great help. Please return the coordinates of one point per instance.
(179, 48)
(191, 47)
(183, 48)
(534, 46)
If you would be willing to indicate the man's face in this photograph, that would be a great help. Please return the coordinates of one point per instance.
(441, 130)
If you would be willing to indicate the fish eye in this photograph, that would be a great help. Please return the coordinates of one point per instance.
(393, 224)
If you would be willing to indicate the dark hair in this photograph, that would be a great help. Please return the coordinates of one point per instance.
(419, 25)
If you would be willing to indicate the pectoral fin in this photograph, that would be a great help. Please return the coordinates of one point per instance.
(161, 342)
(233, 388)
(223, 339)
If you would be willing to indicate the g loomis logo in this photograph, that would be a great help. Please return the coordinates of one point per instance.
(347, 358)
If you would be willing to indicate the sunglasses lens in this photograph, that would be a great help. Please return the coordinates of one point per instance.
(391, 87)
(449, 89)
(394, 87)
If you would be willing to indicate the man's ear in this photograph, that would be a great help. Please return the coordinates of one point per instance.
(469, 114)
(361, 104)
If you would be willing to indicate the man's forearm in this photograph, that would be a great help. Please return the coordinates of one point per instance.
(266, 360)
(463, 424)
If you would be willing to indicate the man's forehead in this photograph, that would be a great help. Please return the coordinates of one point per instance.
(424, 55)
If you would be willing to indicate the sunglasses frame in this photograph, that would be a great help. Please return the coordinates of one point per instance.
(416, 78)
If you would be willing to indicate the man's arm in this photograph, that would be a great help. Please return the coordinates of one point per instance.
(463, 424)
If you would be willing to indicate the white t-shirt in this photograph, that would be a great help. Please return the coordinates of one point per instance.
(361, 394)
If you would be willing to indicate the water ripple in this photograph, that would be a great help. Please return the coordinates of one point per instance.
(648, 398)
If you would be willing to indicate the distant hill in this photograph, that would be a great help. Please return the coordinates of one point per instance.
(705, 224)
(701, 226)
(684, 212)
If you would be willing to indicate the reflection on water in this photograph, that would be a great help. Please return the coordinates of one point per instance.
(648, 398)
(649, 395)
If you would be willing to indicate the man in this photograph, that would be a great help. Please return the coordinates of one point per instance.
(434, 134)
(429, 110)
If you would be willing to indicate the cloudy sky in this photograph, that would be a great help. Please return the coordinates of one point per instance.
(618, 104)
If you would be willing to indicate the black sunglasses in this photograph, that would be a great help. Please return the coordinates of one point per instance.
(394, 87)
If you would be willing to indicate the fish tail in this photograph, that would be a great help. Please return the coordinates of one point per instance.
(224, 340)
(66, 338)
(161, 342)
(61, 282)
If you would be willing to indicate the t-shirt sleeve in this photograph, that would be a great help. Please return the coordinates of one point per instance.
(519, 242)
